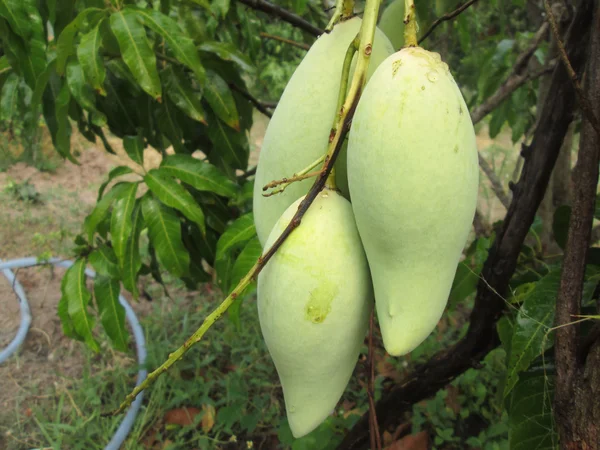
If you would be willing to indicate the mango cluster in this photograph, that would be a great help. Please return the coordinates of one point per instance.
(411, 171)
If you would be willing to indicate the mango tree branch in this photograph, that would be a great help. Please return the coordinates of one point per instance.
(301, 45)
(445, 17)
(482, 337)
(576, 415)
(283, 14)
(341, 126)
(584, 103)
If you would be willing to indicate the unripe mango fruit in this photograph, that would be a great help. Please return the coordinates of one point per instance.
(314, 299)
(298, 132)
(392, 23)
(413, 177)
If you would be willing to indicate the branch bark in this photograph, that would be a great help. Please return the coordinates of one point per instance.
(574, 396)
(482, 336)
(283, 14)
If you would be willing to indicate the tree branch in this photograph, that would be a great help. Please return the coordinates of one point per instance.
(301, 45)
(446, 17)
(569, 361)
(584, 103)
(260, 106)
(283, 14)
(482, 336)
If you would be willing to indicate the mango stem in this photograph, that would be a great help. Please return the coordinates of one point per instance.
(410, 24)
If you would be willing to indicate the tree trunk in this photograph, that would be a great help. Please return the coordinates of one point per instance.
(577, 400)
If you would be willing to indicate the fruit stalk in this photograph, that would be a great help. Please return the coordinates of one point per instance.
(341, 125)
(285, 182)
(410, 24)
(344, 9)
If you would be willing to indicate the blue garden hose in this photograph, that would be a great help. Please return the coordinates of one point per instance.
(138, 334)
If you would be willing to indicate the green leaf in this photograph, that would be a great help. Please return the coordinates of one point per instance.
(220, 7)
(534, 319)
(132, 261)
(174, 195)
(88, 54)
(100, 212)
(41, 84)
(230, 146)
(9, 98)
(165, 235)
(179, 42)
(77, 296)
(112, 313)
(219, 97)
(104, 262)
(15, 13)
(198, 174)
(65, 45)
(180, 91)
(228, 52)
(114, 173)
(299, 6)
(62, 138)
(560, 225)
(134, 147)
(136, 50)
(531, 421)
(236, 234)
(63, 314)
(121, 221)
(83, 94)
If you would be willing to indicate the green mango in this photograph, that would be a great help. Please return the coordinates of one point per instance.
(392, 23)
(314, 300)
(298, 132)
(413, 176)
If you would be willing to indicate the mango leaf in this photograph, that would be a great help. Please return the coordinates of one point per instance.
(63, 314)
(165, 235)
(174, 195)
(9, 98)
(104, 262)
(83, 94)
(534, 319)
(88, 53)
(65, 45)
(136, 50)
(206, 244)
(180, 91)
(238, 233)
(99, 213)
(220, 7)
(121, 221)
(243, 264)
(179, 42)
(15, 13)
(219, 97)
(41, 84)
(198, 174)
(112, 313)
(114, 173)
(134, 147)
(231, 147)
(132, 261)
(77, 297)
(467, 272)
(228, 52)
(62, 137)
(530, 414)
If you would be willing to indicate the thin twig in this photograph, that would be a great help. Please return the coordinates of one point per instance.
(584, 103)
(523, 59)
(445, 18)
(285, 182)
(284, 14)
(301, 45)
(496, 184)
(260, 106)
